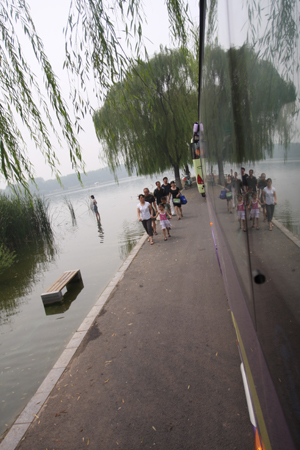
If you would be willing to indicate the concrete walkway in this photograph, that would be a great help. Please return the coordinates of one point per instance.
(159, 367)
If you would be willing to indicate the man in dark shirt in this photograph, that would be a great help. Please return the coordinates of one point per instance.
(251, 182)
(151, 199)
(159, 193)
(244, 179)
(166, 187)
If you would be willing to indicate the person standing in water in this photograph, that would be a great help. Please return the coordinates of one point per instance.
(270, 200)
(95, 207)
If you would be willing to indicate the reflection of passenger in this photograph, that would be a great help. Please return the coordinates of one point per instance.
(95, 207)
(144, 212)
(251, 182)
(228, 187)
(241, 212)
(262, 183)
(244, 179)
(270, 200)
(254, 213)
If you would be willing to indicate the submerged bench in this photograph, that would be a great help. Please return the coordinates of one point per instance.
(54, 292)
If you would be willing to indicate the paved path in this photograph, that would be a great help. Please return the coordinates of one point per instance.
(159, 368)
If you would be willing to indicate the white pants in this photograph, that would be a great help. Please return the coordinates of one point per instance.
(233, 197)
(172, 207)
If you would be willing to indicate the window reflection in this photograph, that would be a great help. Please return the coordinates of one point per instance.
(251, 151)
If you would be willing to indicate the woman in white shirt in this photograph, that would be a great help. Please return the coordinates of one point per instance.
(145, 212)
(270, 200)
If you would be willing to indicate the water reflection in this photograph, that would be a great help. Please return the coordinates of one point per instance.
(100, 232)
(130, 236)
(72, 293)
(19, 280)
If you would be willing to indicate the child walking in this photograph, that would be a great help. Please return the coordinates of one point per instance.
(254, 213)
(164, 222)
(166, 205)
(241, 212)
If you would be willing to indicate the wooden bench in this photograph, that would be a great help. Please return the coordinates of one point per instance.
(54, 292)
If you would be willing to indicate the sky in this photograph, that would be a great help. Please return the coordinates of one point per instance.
(50, 17)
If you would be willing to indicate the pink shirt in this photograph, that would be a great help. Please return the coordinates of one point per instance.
(254, 205)
(163, 216)
(240, 207)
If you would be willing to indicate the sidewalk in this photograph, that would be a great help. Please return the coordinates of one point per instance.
(159, 367)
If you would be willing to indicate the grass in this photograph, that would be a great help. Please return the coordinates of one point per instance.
(23, 219)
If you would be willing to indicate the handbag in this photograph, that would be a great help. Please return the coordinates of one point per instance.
(183, 199)
(222, 196)
(176, 201)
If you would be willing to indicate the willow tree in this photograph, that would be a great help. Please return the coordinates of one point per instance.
(93, 48)
(146, 119)
(242, 100)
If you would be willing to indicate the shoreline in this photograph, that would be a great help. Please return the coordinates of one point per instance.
(13, 436)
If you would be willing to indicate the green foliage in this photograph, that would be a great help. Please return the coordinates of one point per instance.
(7, 258)
(23, 219)
(242, 99)
(19, 88)
(92, 48)
(146, 119)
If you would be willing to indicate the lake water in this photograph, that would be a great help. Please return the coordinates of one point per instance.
(31, 336)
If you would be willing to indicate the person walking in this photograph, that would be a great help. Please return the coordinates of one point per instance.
(254, 210)
(262, 183)
(158, 193)
(244, 179)
(228, 187)
(151, 199)
(236, 186)
(167, 187)
(144, 213)
(95, 208)
(164, 222)
(166, 205)
(241, 211)
(175, 193)
(270, 200)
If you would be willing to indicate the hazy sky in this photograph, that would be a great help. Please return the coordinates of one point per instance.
(50, 18)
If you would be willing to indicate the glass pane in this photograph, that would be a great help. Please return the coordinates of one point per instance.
(249, 106)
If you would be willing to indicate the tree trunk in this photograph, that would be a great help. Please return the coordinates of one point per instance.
(221, 172)
(187, 170)
(177, 177)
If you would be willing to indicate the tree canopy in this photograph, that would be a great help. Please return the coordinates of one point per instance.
(146, 119)
(93, 48)
(242, 99)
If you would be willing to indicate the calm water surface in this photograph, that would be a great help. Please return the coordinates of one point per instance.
(31, 336)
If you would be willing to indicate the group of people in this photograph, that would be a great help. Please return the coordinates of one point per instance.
(160, 205)
(248, 192)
